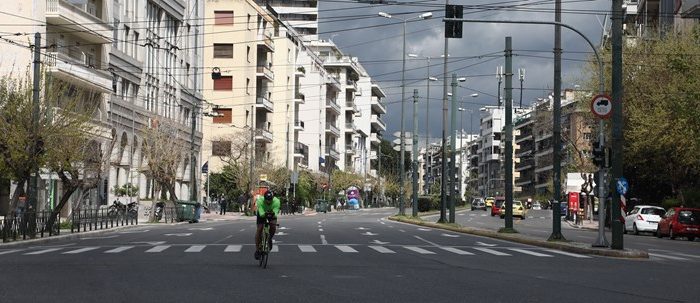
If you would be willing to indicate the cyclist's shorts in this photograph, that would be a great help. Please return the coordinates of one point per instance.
(261, 220)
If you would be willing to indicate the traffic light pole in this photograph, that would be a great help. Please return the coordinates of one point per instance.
(617, 121)
(601, 241)
(414, 151)
(509, 135)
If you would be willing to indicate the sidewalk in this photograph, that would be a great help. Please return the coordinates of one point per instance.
(586, 224)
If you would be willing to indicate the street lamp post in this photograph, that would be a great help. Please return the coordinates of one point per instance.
(427, 121)
(403, 102)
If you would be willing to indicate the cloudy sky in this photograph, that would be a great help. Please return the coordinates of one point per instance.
(377, 41)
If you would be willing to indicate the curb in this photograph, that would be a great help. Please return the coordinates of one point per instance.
(573, 247)
(572, 225)
(79, 235)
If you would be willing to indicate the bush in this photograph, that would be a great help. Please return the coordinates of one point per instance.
(427, 203)
(670, 202)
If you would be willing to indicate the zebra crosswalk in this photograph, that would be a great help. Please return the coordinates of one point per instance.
(298, 248)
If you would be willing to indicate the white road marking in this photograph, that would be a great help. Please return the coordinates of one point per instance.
(281, 234)
(157, 249)
(323, 240)
(567, 253)
(527, 252)
(485, 244)
(491, 251)
(275, 248)
(379, 242)
(201, 228)
(424, 229)
(382, 222)
(77, 251)
(320, 229)
(96, 238)
(9, 251)
(401, 230)
(426, 241)
(39, 252)
(118, 249)
(369, 234)
(135, 231)
(675, 253)
(382, 249)
(153, 243)
(419, 250)
(345, 248)
(242, 230)
(195, 248)
(179, 234)
(307, 248)
(668, 257)
(450, 235)
(233, 248)
(456, 251)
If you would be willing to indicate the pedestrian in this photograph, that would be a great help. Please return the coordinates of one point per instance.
(222, 204)
(242, 201)
(21, 204)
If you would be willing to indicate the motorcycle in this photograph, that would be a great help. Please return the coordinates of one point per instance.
(117, 208)
(132, 210)
(158, 214)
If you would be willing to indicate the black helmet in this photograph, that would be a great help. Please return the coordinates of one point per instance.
(269, 195)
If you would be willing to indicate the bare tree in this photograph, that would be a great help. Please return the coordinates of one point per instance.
(164, 149)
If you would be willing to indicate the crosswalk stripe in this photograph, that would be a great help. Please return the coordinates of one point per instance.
(307, 248)
(527, 252)
(567, 253)
(195, 248)
(9, 251)
(157, 249)
(491, 251)
(382, 249)
(275, 248)
(669, 257)
(39, 252)
(118, 249)
(419, 250)
(456, 251)
(233, 248)
(345, 249)
(77, 251)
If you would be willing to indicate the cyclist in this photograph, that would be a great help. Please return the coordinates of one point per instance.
(268, 207)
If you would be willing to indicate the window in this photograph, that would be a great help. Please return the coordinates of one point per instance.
(223, 50)
(247, 86)
(248, 22)
(247, 53)
(224, 83)
(497, 136)
(221, 148)
(223, 17)
(223, 115)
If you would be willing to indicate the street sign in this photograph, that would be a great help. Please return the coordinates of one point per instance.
(263, 177)
(601, 106)
(622, 186)
(295, 177)
(396, 141)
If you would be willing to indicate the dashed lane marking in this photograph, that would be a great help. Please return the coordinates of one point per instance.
(157, 249)
(491, 251)
(77, 251)
(195, 248)
(382, 249)
(119, 249)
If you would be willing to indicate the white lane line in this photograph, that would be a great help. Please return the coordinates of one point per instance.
(382, 222)
(426, 241)
(39, 252)
(567, 253)
(401, 230)
(456, 251)
(491, 251)
(157, 249)
(242, 229)
(382, 249)
(9, 251)
(320, 229)
(118, 249)
(527, 252)
(419, 250)
(195, 248)
(323, 240)
(275, 248)
(307, 248)
(675, 253)
(77, 251)
(345, 248)
(233, 248)
(668, 257)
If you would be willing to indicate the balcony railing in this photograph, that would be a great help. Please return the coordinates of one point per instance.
(264, 102)
(299, 97)
(79, 67)
(266, 71)
(351, 84)
(350, 125)
(332, 128)
(83, 18)
(299, 125)
(331, 104)
(333, 81)
(351, 106)
(331, 151)
(349, 149)
(263, 134)
(301, 150)
(266, 40)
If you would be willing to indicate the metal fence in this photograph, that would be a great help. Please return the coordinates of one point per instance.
(27, 224)
(100, 218)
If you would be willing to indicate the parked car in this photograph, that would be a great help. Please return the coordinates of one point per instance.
(489, 201)
(680, 222)
(643, 218)
(537, 205)
(519, 210)
(478, 203)
(497, 204)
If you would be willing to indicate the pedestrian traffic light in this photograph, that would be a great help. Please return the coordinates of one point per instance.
(453, 29)
(598, 154)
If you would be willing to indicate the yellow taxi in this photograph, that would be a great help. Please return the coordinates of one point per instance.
(489, 201)
(519, 210)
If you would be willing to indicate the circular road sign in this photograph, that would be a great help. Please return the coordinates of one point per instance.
(601, 106)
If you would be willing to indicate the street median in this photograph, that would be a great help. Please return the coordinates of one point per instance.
(568, 246)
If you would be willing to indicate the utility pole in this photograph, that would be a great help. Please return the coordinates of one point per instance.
(415, 153)
(443, 178)
(617, 138)
(193, 159)
(34, 174)
(556, 128)
(499, 77)
(453, 122)
(427, 133)
(402, 189)
(521, 76)
(509, 135)
(252, 154)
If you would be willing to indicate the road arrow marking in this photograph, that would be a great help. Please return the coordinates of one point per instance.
(485, 244)
(379, 242)
(179, 235)
(369, 234)
(450, 235)
(153, 243)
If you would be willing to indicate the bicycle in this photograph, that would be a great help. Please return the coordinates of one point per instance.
(265, 244)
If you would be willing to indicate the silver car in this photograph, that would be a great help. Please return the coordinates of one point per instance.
(478, 203)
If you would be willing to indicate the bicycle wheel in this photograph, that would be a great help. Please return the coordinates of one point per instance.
(263, 248)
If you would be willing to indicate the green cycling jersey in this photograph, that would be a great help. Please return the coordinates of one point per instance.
(264, 206)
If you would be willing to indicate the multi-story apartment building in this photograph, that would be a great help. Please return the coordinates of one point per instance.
(302, 15)
(140, 59)
(492, 124)
(525, 163)
(376, 124)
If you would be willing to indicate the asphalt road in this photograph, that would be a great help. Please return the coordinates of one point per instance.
(337, 257)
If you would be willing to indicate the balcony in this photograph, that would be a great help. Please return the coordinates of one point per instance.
(332, 152)
(263, 135)
(374, 138)
(299, 125)
(79, 70)
(373, 172)
(332, 105)
(377, 106)
(373, 155)
(265, 42)
(350, 105)
(300, 72)
(264, 71)
(333, 82)
(331, 128)
(351, 85)
(350, 126)
(349, 149)
(378, 122)
(83, 20)
(300, 150)
(344, 61)
(299, 98)
(263, 102)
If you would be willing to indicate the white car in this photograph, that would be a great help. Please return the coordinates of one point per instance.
(643, 218)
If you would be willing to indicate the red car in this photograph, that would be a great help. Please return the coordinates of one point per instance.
(680, 222)
(497, 204)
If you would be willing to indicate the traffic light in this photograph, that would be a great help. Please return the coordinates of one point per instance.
(598, 154)
(453, 29)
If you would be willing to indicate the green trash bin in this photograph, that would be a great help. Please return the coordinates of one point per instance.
(321, 205)
(185, 210)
